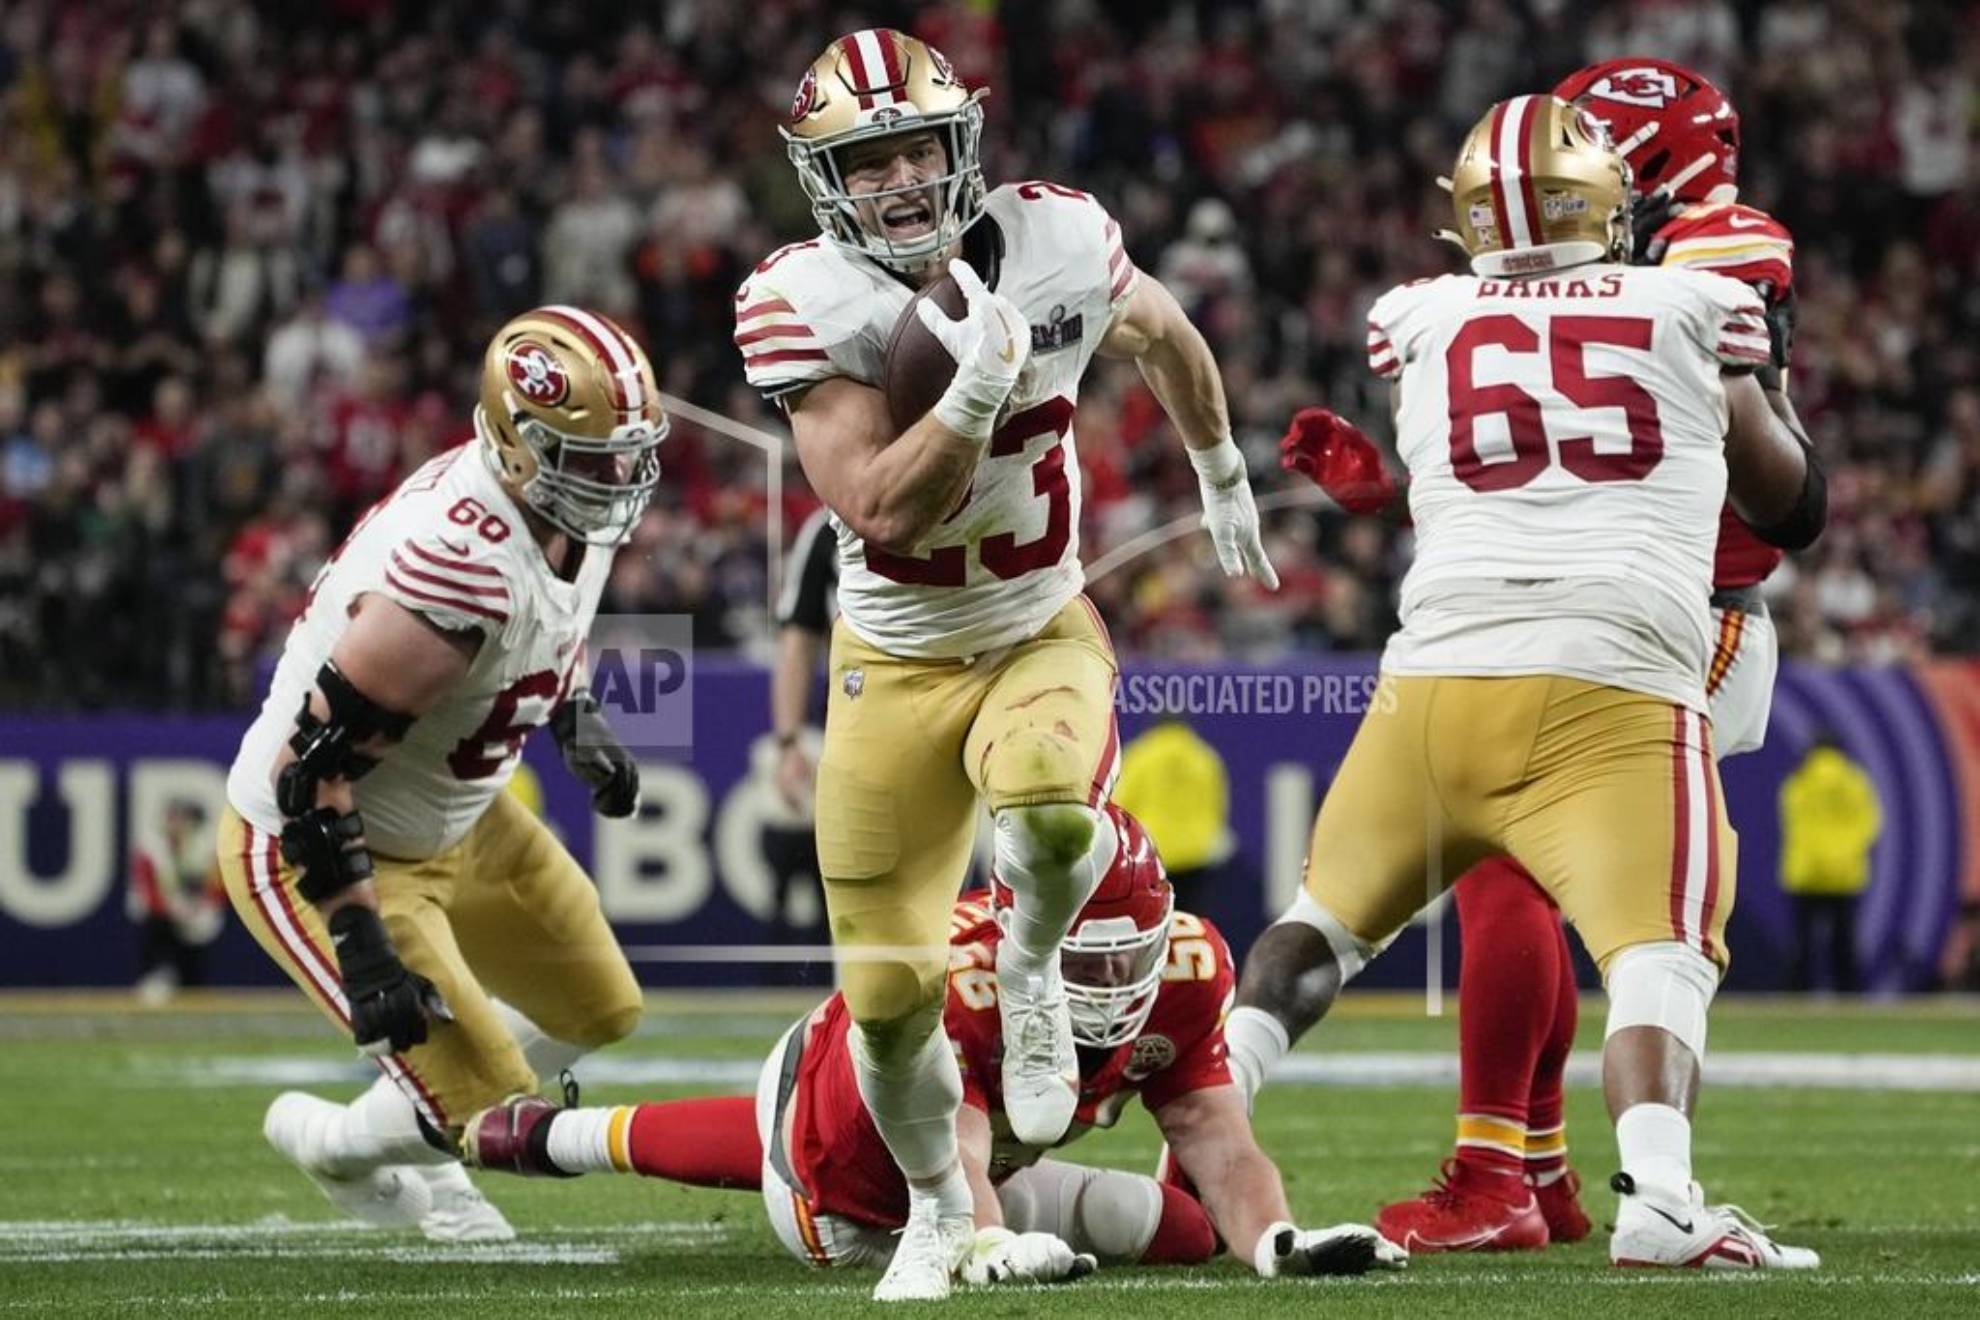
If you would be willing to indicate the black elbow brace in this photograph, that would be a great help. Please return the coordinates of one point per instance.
(328, 846)
(1804, 522)
(325, 748)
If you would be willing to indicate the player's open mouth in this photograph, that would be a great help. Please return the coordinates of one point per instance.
(906, 219)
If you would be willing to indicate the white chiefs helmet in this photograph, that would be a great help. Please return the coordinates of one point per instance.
(876, 83)
(570, 421)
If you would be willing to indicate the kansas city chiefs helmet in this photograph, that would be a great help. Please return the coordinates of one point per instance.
(570, 421)
(877, 83)
(1113, 958)
(1675, 128)
(1539, 186)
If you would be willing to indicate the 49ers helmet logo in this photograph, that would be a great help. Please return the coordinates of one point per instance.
(1653, 89)
(538, 376)
(806, 99)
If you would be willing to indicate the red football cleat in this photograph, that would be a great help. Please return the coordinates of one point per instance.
(511, 1138)
(1470, 1209)
(1560, 1206)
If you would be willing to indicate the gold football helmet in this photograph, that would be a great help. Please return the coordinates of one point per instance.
(1539, 186)
(570, 421)
(876, 83)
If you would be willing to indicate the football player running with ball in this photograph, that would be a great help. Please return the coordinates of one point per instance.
(966, 663)
(1148, 985)
(1572, 427)
(368, 843)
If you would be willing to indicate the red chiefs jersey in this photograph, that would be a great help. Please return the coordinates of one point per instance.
(1751, 246)
(835, 1151)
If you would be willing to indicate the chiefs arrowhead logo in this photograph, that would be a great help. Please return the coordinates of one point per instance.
(538, 376)
(806, 99)
(1652, 89)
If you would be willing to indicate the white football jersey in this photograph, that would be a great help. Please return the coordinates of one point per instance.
(451, 545)
(1565, 439)
(1000, 567)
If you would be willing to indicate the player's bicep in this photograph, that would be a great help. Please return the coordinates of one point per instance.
(1148, 317)
(399, 659)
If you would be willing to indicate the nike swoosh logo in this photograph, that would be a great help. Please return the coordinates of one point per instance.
(460, 549)
(1681, 1225)
(1744, 222)
(1008, 353)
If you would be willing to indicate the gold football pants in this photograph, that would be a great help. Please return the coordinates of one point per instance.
(506, 912)
(909, 747)
(1611, 800)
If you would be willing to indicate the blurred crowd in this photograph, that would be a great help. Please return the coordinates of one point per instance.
(250, 254)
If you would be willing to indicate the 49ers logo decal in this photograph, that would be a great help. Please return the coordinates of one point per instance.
(806, 99)
(1653, 89)
(538, 376)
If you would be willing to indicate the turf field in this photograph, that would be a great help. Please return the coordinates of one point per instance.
(133, 1177)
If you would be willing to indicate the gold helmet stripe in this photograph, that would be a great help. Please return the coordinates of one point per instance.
(1514, 123)
(612, 344)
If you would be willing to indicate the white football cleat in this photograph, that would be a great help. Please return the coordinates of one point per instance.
(1041, 1067)
(932, 1248)
(460, 1212)
(390, 1196)
(1660, 1231)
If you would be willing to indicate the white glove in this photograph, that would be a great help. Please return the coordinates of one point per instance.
(1229, 513)
(1342, 1249)
(990, 344)
(1001, 1256)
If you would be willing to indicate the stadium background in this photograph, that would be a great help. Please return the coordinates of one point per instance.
(249, 255)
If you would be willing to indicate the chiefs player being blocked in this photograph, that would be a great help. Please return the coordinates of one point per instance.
(1148, 988)
(368, 843)
(1508, 1185)
(1571, 427)
(966, 663)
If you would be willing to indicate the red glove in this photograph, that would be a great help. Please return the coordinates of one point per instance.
(1340, 460)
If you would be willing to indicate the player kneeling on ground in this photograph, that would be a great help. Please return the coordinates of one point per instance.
(368, 843)
(1148, 989)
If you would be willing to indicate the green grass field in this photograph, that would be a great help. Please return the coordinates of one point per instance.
(133, 1179)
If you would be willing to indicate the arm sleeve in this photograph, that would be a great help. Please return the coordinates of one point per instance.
(1740, 243)
(445, 581)
(1122, 274)
(1732, 325)
(811, 575)
(1385, 326)
(780, 350)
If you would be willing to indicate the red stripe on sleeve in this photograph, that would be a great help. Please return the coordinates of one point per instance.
(773, 332)
(452, 603)
(455, 566)
(785, 355)
(764, 308)
(446, 583)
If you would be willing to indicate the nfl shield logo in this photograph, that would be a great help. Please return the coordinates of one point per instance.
(855, 683)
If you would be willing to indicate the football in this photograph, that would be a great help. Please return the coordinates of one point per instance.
(918, 368)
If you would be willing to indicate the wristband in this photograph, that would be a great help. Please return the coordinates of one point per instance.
(1220, 466)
